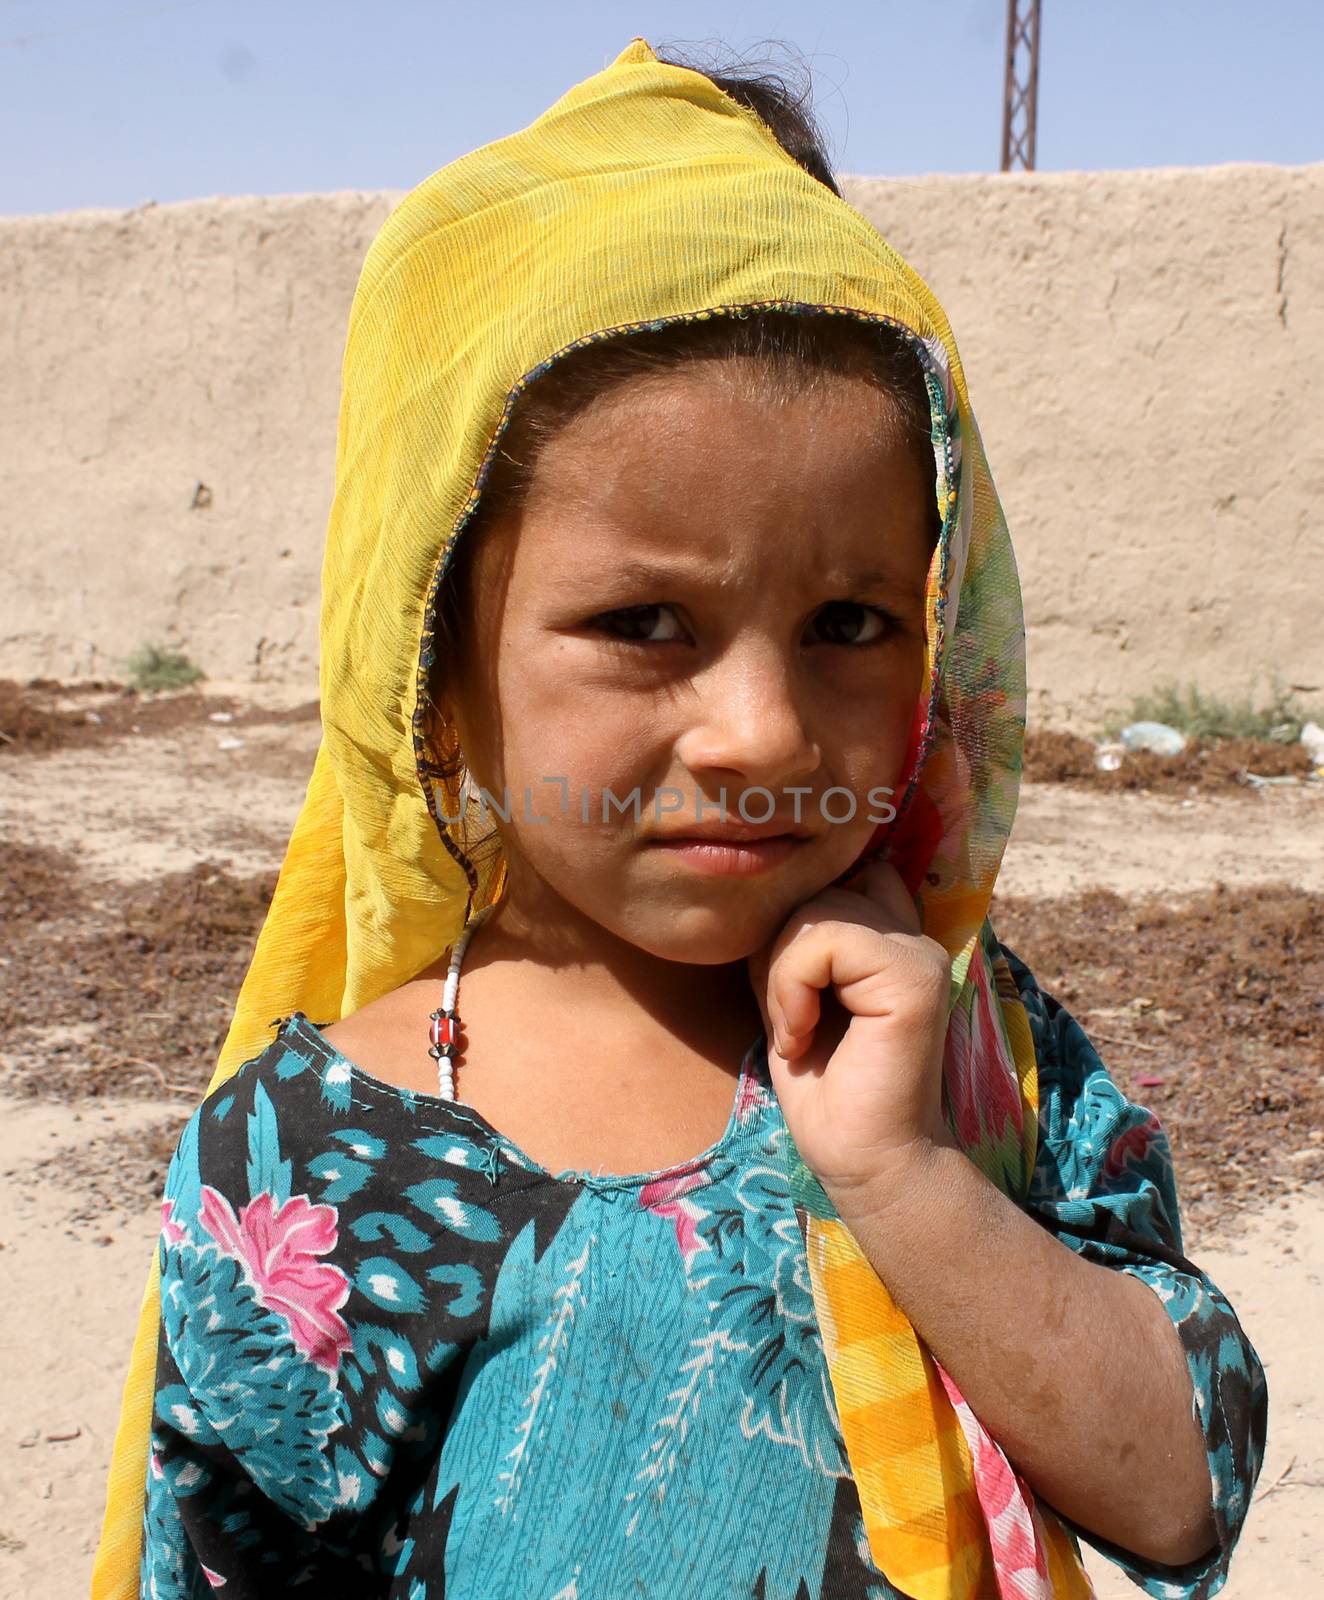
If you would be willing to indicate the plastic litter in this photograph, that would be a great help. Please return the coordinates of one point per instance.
(1257, 780)
(230, 743)
(221, 716)
(1108, 757)
(1312, 737)
(1156, 737)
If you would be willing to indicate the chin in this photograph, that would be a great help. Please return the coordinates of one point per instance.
(704, 936)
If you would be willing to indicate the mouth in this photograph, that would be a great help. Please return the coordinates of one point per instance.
(733, 850)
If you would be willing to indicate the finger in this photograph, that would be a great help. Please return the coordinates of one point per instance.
(873, 972)
(829, 954)
(881, 883)
(793, 1008)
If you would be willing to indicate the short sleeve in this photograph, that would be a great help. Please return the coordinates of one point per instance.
(308, 1341)
(1103, 1183)
(239, 1474)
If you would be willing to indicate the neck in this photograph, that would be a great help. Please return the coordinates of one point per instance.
(602, 981)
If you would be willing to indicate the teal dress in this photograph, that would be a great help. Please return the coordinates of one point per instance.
(398, 1358)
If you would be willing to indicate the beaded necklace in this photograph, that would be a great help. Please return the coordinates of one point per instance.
(444, 1032)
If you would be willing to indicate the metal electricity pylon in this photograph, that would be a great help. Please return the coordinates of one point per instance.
(1020, 104)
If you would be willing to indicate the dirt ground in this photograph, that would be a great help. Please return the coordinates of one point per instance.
(1179, 916)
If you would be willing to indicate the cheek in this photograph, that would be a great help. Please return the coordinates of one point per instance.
(880, 732)
(584, 745)
(557, 735)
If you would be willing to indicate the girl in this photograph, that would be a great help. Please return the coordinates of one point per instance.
(672, 695)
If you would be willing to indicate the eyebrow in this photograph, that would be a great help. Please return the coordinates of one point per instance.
(652, 575)
(866, 578)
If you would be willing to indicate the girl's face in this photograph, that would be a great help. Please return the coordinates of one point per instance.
(705, 596)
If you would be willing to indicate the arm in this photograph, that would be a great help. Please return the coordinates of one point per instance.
(1097, 1381)
(1075, 1370)
(1104, 1186)
(1142, 1418)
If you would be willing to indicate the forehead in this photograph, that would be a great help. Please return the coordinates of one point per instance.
(707, 452)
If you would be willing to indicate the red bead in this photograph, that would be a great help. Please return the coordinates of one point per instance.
(443, 1031)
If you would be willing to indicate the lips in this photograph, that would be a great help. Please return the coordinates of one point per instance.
(734, 833)
(718, 854)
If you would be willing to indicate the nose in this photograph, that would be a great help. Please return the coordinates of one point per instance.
(750, 721)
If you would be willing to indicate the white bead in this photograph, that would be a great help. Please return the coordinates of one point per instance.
(445, 1065)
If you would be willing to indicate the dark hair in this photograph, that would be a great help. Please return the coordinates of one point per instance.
(782, 104)
(793, 351)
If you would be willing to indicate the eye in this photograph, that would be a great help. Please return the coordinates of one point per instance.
(847, 622)
(639, 624)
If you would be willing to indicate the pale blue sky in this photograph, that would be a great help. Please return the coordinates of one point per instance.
(113, 102)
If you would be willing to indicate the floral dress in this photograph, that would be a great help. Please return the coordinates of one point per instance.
(397, 1358)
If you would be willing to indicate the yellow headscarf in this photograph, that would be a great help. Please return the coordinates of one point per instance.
(647, 195)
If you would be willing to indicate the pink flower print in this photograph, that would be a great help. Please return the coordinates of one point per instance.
(278, 1250)
(749, 1098)
(667, 1198)
(959, 1075)
(171, 1232)
(1133, 1145)
(979, 1070)
(1019, 1562)
(995, 1073)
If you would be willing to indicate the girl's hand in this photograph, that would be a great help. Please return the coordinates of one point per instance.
(857, 1069)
